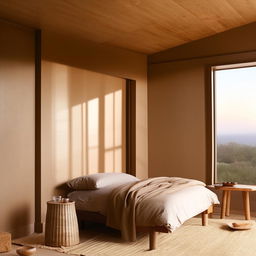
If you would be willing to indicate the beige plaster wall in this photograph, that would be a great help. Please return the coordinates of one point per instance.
(16, 129)
(177, 120)
(75, 72)
(178, 110)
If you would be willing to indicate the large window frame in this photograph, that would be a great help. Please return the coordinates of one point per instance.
(213, 152)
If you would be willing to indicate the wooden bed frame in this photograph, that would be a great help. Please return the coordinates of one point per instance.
(152, 231)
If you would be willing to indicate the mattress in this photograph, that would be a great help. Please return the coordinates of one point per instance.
(176, 207)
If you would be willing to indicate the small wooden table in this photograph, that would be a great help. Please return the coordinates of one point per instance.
(226, 197)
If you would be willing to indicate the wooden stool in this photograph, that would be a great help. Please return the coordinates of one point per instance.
(226, 197)
(5, 242)
(61, 227)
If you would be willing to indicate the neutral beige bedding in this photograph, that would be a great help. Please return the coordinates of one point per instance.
(147, 203)
(94, 200)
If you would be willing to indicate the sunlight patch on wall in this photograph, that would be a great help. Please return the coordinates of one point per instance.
(76, 140)
(118, 159)
(84, 139)
(61, 123)
(93, 135)
(109, 163)
(118, 118)
(113, 131)
(87, 118)
(109, 121)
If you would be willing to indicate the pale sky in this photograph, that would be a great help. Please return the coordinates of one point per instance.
(236, 101)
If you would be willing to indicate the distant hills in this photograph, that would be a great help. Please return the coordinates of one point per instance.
(247, 139)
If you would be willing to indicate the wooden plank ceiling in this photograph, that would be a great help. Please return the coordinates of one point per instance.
(146, 26)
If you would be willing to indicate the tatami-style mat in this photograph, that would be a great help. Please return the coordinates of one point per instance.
(189, 240)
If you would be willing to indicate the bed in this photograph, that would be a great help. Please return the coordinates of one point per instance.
(153, 205)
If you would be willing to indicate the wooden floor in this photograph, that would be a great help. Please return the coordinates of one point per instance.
(191, 239)
(40, 252)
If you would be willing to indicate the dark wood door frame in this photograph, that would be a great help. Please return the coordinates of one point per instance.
(38, 226)
(131, 127)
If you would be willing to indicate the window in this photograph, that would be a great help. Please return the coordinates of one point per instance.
(234, 90)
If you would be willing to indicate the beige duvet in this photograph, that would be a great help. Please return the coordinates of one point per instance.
(161, 201)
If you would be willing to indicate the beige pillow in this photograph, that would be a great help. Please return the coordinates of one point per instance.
(100, 180)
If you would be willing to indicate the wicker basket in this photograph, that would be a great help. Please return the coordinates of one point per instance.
(61, 227)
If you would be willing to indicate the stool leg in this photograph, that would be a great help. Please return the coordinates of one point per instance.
(246, 199)
(224, 204)
(228, 203)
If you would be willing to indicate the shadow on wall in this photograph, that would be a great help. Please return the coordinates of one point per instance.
(83, 117)
(17, 217)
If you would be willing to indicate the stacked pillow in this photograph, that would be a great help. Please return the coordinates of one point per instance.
(100, 180)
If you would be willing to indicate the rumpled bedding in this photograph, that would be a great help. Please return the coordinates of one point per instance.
(160, 201)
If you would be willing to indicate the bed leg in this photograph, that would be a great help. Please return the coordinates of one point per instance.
(204, 218)
(205, 215)
(152, 240)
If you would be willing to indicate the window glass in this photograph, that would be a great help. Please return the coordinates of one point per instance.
(235, 123)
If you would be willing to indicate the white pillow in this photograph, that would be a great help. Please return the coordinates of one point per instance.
(100, 180)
